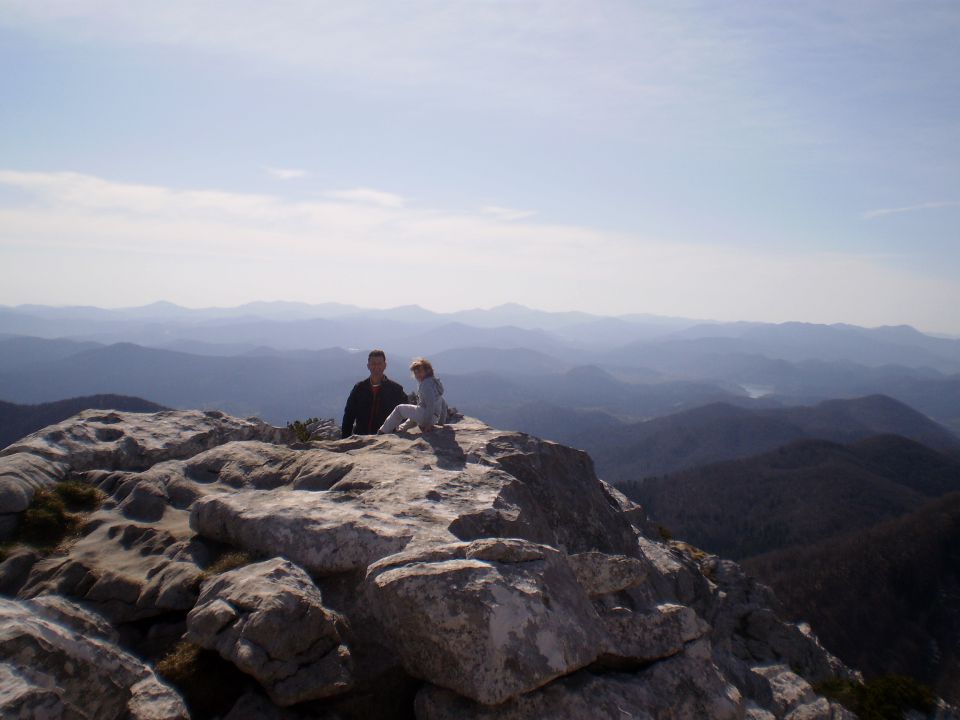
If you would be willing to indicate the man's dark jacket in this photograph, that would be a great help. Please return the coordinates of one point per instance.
(364, 414)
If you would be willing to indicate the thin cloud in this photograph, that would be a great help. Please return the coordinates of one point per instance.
(369, 197)
(503, 213)
(287, 173)
(910, 208)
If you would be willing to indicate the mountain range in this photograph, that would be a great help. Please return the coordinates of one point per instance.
(861, 540)
(722, 431)
(886, 598)
(659, 365)
(798, 494)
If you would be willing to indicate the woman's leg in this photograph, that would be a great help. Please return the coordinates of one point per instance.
(399, 414)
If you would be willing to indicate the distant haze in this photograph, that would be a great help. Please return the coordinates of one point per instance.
(510, 365)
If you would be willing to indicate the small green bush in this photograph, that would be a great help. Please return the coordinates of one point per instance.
(883, 698)
(78, 496)
(664, 533)
(46, 522)
(56, 514)
(299, 428)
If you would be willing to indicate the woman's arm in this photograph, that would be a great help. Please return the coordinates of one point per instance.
(427, 400)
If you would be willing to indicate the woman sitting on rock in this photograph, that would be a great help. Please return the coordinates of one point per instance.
(431, 408)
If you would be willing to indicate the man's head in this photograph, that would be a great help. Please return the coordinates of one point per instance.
(376, 364)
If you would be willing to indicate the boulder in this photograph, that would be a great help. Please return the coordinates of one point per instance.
(268, 619)
(685, 687)
(781, 689)
(645, 636)
(601, 574)
(489, 619)
(50, 670)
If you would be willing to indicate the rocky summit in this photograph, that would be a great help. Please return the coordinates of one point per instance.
(230, 571)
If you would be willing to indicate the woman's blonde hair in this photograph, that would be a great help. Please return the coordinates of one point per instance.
(422, 363)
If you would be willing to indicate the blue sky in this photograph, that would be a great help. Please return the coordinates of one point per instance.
(747, 160)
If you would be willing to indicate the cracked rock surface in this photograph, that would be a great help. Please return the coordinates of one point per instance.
(52, 664)
(269, 620)
(465, 573)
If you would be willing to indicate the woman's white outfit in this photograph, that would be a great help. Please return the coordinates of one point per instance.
(431, 408)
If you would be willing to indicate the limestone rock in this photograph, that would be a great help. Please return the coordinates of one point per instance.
(493, 565)
(48, 670)
(324, 430)
(315, 530)
(125, 570)
(263, 466)
(71, 615)
(268, 619)
(147, 501)
(15, 570)
(97, 439)
(134, 441)
(489, 619)
(744, 613)
(631, 511)
(672, 577)
(389, 491)
(685, 687)
(23, 474)
(601, 574)
(782, 689)
(645, 636)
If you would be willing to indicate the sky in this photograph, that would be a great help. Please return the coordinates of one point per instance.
(727, 160)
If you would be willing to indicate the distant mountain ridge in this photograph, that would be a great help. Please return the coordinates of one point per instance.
(18, 421)
(280, 386)
(724, 432)
(623, 335)
(662, 365)
(798, 494)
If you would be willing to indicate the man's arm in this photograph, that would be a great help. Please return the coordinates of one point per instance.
(398, 396)
(349, 414)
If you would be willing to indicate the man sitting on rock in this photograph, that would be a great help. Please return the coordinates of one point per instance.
(371, 400)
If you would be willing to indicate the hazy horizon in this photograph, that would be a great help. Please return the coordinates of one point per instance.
(754, 161)
(454, 311)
